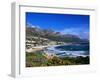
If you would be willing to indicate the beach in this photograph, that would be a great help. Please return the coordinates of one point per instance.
(37, 48)
(54, 50)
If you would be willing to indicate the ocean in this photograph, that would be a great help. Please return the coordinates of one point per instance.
(72, 50)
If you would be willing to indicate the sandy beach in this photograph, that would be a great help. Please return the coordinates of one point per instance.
(34, 49)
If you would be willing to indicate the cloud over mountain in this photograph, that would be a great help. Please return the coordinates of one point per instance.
(81, 32)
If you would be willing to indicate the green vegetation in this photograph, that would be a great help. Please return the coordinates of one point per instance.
(38, 59)
(35, 59)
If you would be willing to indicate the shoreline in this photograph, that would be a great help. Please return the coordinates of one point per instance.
(50, 50)
(37, 48)
(33, 49)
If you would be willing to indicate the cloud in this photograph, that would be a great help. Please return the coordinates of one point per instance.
(31, 25)
(81, 32)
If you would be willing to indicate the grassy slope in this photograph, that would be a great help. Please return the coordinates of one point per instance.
(37, 59)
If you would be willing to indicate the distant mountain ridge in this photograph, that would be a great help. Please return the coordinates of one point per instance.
(54, 36)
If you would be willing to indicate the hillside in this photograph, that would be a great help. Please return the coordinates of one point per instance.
(52, 35)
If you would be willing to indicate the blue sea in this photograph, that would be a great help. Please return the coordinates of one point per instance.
(72, 50)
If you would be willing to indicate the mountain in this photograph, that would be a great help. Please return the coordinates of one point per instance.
(52, 35)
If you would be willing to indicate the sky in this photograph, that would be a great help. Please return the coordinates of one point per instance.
(63, 23)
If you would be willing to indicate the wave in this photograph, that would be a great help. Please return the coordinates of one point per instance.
(52, 50)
